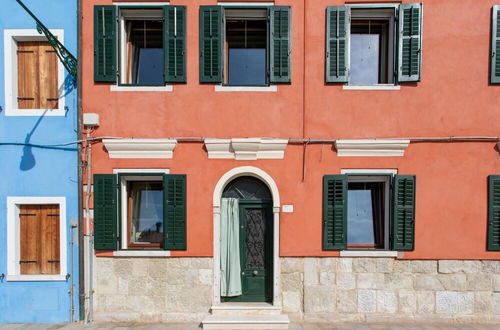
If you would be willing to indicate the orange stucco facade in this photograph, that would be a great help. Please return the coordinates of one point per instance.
(453, 98)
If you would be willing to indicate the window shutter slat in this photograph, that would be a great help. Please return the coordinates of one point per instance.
(105, 43)
(410, 42)
(280, 44)
(174, 218)
(174, 43)
(495, 46)
(337, 44)
(105, 212)
(494, 213)
(334, 212)
(403, 222)
(211, 44)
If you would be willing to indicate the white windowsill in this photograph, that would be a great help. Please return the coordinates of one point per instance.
(32, 278)
(371, 87)
(220, 88)
(141, 253)
(35, 112)
(372, 254)
(117, 88)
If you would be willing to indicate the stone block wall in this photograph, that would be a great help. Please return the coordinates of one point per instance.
(152, 289)
(385, 289)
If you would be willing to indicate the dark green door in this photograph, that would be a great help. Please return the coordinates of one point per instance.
(256, 252)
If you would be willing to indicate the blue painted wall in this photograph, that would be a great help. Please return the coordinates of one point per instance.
(36, 171)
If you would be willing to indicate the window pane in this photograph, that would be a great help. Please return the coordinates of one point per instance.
(246, 50)
(150, 68)
(365, 59)
(365, 214)
(146, 212)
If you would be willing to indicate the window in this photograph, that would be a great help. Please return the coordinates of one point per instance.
(145, 48)
(140, 211)
(495, 45)
(360, 214)
(245, 46)
(33, 74)
(36, 238)
(367, 46)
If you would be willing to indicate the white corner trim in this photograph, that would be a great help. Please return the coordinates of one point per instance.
(117, 88)
(141, 253)
(140, 148)
(35, 278)
(371, 147)
(271, 88)
(246, 148)
(371, 87)
(372, 254)
(11, 36)
(14, 240)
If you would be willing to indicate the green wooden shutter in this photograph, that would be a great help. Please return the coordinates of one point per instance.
(334, 212)
(410, 42)
(403, 219)
(495, 46)
(174, 211)
(211, 48)
(494, 213)
(105, 43)
(105, 212)
(280, 44)
(174, 43)
(337, 44)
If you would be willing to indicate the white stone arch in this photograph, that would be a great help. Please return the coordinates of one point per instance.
(219, 188)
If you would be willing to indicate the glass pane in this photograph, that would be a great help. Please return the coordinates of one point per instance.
(256, 227)
(365, 214)
(145, 58)
(146, 212)
(247, 188)
(246, 47)
(365, 59)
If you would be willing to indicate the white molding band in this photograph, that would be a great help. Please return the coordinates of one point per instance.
(371, 147)
(246, 148)
(120, 88)
(140, 148)
(371, 87)
(141, 253)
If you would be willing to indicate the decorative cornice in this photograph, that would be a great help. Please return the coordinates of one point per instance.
(140, 148)
(246, 148)
(371, 147)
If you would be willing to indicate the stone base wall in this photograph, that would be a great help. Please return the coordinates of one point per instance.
(385, 289)
(152, 289)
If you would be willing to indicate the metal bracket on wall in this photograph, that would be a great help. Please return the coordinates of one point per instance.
(67, 59)
(2, 276)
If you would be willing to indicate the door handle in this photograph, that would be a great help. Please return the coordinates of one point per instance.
(254, 273)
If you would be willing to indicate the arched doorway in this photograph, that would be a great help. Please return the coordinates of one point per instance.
(251, 232)
(224, 185)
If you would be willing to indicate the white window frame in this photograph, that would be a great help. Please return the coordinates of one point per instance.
(124, 252)
(363, 12)
(374, 175)
(11, 37)
(14, 238)
(121, 49)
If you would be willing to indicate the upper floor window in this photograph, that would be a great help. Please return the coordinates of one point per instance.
(245, 46)
(495, 45)
(139, 46)
(34, 77)
(374, 44)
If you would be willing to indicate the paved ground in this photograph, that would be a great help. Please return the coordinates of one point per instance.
(293, 326)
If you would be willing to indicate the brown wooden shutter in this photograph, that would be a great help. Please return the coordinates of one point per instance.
(40, 237)
(37, 75)
(47, 76)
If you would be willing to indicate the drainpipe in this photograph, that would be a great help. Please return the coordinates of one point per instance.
(88, 234)
(81, 269)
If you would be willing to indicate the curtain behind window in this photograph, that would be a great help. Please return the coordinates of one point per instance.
(230, 248)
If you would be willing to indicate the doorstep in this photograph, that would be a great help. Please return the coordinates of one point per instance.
(236, 321)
